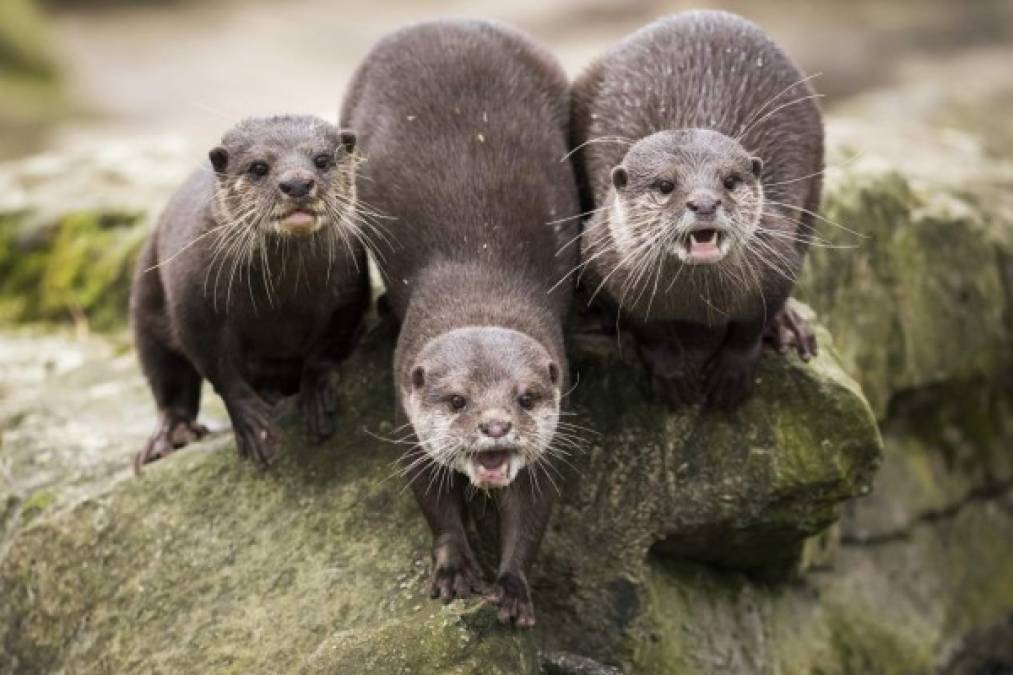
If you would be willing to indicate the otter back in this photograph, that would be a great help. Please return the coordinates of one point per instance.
(464, 125)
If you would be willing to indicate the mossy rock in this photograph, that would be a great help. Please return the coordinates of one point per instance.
(888, 608)
(79, 268)
(918, 297)
(322, 561)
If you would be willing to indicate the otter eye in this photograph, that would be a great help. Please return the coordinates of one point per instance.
(527, 401)
(665, 186)
(456, 402)
(259, 168)
(732, 182)
(322, 161)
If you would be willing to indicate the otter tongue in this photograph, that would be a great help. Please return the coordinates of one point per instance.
(703, 242)
(493, 459)
(299, 219)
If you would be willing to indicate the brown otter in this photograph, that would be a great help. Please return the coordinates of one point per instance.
(699, 148)
(254, 279)
(462, 124)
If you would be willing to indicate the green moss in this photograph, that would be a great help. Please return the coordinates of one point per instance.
(893, 608)
(898, 300)
(38, 502)
(80, 268)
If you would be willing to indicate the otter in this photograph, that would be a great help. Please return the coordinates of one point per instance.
(462, 124)
(255, 279)
(699, 149)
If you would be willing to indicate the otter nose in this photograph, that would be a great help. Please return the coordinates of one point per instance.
(297, 187)
(495, 428)
(703, 206)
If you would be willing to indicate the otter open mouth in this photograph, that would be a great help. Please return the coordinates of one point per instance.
(297, 221)
(703, 246)
(492, 468)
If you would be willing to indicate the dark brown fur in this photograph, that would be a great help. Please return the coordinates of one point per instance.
(258, 328)
(463, 124)
(700, 71)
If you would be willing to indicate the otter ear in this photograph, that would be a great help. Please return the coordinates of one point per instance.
(553, 372)
(418, 377)
(757, 164)
(219, 157)
(620, 177)
(348, 139)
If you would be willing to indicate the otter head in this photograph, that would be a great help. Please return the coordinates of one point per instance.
(287, 175)
(693, 193)
(483, 401)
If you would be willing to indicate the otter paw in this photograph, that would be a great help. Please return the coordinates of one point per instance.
(457, 580)
(789, 329)
(318, 400)
(173, 433)
(676, 392)
(730, 382)
(513, 598)
(256, 434)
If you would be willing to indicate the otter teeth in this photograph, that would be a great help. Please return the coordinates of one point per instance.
(704, 246)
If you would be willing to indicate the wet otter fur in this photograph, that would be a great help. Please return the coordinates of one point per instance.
(463, 124)
(699, 149)
(254, 279)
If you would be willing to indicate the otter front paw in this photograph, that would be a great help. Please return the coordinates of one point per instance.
(676, 392)
(789, 329)
(513, 597)
(173, 433)
(455, 574)
(255, 431)
(671, 377)
(730, 379)
(318, 401)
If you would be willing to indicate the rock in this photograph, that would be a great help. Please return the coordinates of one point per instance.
(922, 297)
(71, 225)
(323, 560)
(888, 607)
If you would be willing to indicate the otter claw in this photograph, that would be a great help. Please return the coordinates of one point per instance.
(173, 434)
(729, 386)
(677, 392)
(255, 433)
(318, 401)
(512, 596)
(455, 582)
(789, 329)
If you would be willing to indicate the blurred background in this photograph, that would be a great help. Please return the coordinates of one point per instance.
(80, 71)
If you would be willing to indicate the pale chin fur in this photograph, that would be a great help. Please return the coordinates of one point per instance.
(620, 233)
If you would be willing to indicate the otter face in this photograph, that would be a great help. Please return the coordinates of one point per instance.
(483, 401)
(287, 175)
(696, 194)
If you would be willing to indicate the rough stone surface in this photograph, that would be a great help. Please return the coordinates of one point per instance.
(323, 560)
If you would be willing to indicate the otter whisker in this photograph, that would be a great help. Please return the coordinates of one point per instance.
(557, 221)
(818, 216)
(600, 139)
(633, 254)
(816, 242)
(749, 120)
(850, 160)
